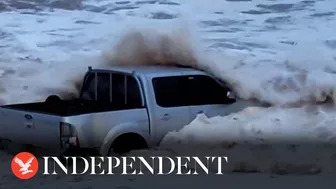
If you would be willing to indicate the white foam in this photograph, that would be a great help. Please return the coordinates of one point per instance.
(49, 54)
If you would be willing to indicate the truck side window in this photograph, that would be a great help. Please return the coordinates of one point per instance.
(170, 91)
(103, 87)
(118, 89)
(129, 97)
(113, 90)
(204, 90)
(133, 93)
(89, 91)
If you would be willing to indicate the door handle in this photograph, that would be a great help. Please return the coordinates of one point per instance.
(200, 112)
(165, 117)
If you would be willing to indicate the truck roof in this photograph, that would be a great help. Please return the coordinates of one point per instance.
(153, 70)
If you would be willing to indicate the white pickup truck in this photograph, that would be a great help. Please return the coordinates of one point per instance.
(119, 109)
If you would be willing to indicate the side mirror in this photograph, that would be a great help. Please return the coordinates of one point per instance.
(231, 95)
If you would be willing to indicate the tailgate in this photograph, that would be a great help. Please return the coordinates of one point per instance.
(30, 128)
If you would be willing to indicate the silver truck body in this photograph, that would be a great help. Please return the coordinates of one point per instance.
(100, 129)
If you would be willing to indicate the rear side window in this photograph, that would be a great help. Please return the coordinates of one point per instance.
(170, 91)
(103, 87)
(125, 91)
(89, 90)
(133, 95)
(116, 89)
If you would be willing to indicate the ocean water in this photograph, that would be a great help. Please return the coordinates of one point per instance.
(278, 52)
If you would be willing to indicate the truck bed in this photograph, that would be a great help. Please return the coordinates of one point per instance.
(67, 107)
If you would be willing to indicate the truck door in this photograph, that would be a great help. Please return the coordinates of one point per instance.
(119, 100)
(170, 106)
(207, 96)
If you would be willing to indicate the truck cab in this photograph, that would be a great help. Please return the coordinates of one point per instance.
(156, 100)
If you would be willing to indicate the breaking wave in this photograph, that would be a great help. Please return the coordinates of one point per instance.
(287, 84)
(301, 98)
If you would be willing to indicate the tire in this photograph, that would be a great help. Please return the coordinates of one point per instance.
(126, 143)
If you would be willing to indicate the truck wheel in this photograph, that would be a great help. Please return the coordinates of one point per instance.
(126, 143)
